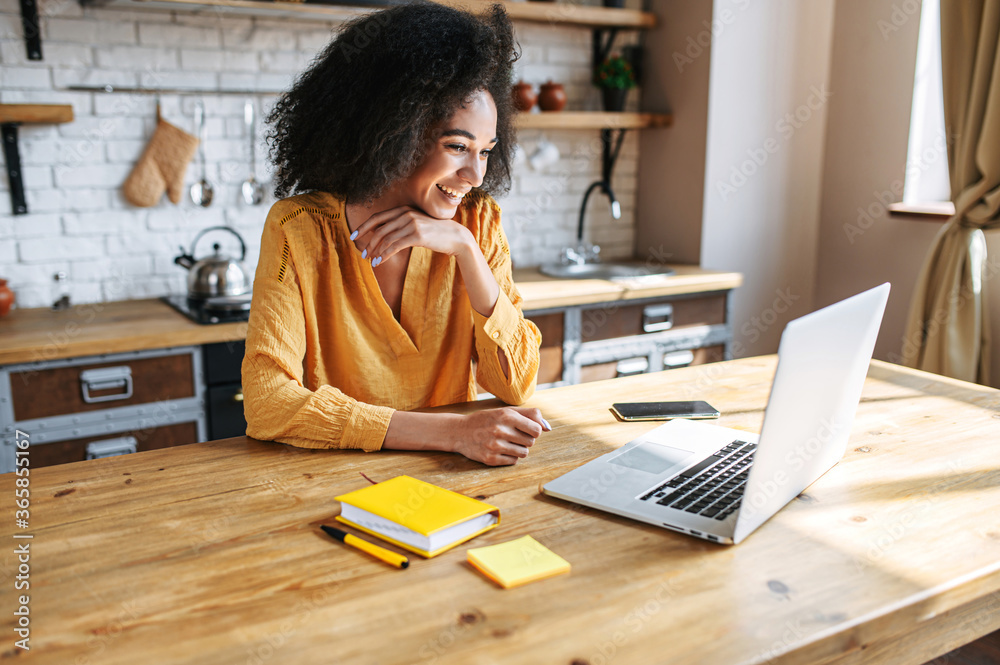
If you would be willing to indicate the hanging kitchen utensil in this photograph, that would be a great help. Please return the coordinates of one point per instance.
(253, 191)
(201, 191)
(216, 275)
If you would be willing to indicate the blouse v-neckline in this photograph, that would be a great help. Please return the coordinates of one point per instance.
(404, 334)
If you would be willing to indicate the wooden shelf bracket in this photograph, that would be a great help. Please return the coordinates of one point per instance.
(32, 29)
(12, 116)
(604, 39)
(12, 157)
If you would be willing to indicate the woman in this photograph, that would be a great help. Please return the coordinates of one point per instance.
(380, 286)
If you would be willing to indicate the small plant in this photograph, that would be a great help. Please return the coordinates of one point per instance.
(615, 73)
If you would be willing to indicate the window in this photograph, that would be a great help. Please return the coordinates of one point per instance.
(926, 179)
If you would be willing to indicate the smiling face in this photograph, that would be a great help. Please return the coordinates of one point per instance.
(456, 160)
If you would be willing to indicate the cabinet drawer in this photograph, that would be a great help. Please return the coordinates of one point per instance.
(75, 450)
(79, 388)
(612, 370)
(609, 370)
(611, 321)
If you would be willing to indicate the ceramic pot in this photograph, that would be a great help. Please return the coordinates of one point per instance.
(613, 99)
(6, 297)
(552, 97)
(524, 97)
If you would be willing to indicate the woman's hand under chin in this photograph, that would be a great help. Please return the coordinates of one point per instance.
(390, 231)
(385, 233)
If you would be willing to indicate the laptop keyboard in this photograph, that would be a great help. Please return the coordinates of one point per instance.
(713, 487)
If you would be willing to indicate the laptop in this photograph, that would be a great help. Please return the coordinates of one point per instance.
(720, 484)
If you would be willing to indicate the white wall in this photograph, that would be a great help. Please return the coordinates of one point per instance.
(768, 101)
(79, 222)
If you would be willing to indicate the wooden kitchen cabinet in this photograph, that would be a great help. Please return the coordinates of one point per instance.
(550, 362)
(134, 440)
(606, 340)
(46, 392)
(84, 408)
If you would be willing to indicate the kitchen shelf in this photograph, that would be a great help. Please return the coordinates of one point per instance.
(111, 89)
(592, 120)
(541, 12)
(567, 13)
(48, 114)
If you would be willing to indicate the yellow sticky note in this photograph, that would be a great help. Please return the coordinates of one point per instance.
(517, 562)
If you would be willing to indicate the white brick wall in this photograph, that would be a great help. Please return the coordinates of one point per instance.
(80, 224)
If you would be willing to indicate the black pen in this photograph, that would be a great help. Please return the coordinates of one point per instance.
(390, 557)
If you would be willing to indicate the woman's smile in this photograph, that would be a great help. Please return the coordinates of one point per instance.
(451, 194)
(456, 161)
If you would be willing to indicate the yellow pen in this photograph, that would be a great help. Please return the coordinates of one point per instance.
(390, 557)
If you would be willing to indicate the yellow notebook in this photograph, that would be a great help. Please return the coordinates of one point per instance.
(517, 562)
(417, 516)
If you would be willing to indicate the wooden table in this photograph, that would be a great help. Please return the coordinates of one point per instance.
(211, 553)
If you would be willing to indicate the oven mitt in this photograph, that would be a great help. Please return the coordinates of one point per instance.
(161, 167)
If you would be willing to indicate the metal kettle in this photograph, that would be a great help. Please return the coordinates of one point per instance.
(215, 275)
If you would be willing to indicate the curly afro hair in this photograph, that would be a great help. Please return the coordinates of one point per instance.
(361, 116)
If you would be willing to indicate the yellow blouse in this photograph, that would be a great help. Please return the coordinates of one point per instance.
(326, 361)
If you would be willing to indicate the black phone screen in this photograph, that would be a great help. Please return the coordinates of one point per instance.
(664, 410)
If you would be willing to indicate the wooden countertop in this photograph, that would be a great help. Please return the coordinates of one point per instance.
(33, 335)
(541, 292)
(211, 553)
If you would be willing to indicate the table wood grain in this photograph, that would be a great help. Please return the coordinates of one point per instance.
(212, 552)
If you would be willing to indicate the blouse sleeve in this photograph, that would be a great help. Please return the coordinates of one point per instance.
(506, 328)
(278, 407)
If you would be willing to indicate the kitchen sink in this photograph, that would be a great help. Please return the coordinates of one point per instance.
(612, 270)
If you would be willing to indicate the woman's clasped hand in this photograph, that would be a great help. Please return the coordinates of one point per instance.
(500, 436)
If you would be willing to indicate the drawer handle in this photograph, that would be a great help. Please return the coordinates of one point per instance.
(678, 359)
(110, 447)
(238, 397)
(657, 318)
(632, 366)
(106, 378)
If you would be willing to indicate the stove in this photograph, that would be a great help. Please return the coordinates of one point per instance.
(219, 309)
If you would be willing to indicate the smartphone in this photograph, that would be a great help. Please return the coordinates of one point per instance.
(664, 410)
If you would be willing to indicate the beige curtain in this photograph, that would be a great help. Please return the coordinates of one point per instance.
(948, 327)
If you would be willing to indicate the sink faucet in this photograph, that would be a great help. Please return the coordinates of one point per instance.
(581, 254)
(584, 253)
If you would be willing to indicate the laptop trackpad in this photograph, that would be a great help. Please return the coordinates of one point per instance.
(652, 457)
